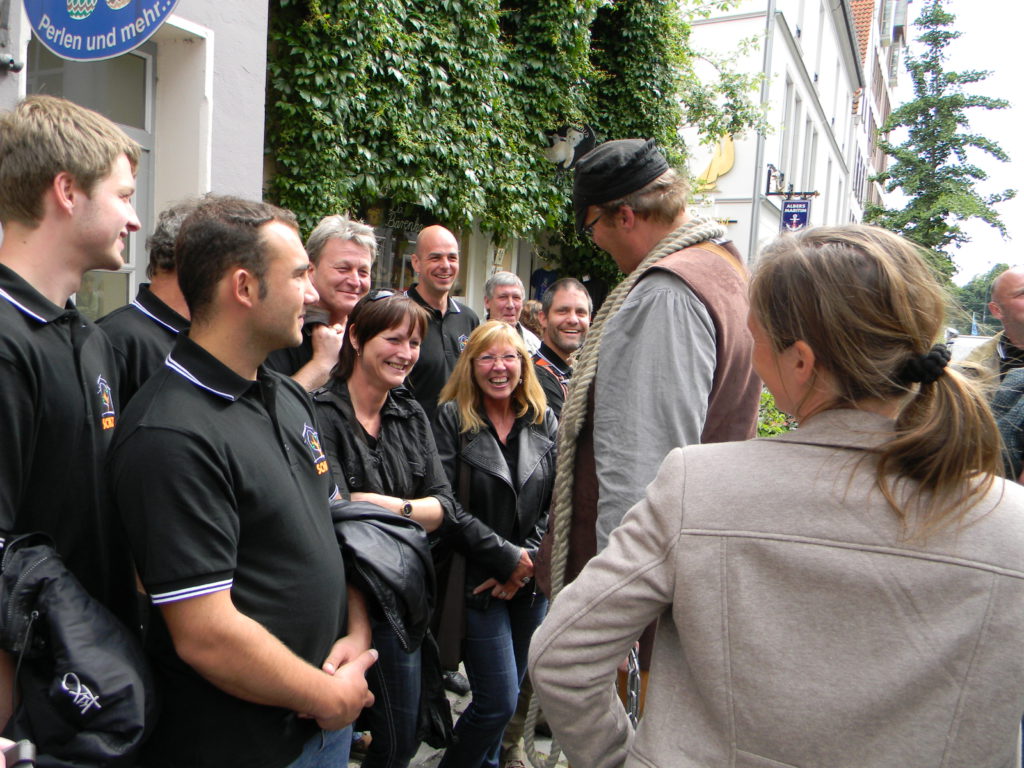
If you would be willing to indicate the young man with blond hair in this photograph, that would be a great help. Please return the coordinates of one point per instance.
(67, 176)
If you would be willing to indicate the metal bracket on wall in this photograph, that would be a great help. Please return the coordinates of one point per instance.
(774, 174)
(7, 62)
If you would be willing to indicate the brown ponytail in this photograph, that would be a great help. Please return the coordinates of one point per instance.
(867, 304)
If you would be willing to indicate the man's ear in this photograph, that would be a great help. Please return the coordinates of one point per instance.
(995, 310)
(625, 217)
(65, 191)
(244, 286)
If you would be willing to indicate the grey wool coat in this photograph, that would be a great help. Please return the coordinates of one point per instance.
(798, 627)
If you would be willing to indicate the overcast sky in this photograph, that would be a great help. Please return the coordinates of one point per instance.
(991, 40)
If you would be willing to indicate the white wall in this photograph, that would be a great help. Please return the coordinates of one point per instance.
(811, 77)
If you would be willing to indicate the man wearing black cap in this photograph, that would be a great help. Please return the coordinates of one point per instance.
(667, 361)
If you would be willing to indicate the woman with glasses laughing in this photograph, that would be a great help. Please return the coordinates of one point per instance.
(494, 425)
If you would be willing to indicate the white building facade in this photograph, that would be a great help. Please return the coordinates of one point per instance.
(192, 96)
(816, 82)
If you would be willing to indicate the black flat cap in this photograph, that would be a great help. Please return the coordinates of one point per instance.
(613, 170)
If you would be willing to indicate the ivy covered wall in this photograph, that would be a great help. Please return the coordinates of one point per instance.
(440, 107)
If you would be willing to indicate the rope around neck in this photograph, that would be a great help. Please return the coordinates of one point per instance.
(575, 408)
(573, 414)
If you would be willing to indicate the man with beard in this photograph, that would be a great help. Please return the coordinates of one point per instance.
(565, 318)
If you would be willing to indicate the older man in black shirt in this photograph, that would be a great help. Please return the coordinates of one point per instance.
(436, 263)
(143, 332)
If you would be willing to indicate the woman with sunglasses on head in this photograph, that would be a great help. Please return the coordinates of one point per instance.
(494, 424)
(850, 593)
(381, 449)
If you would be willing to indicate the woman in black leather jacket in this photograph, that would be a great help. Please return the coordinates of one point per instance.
(494, 423)
(380, 448)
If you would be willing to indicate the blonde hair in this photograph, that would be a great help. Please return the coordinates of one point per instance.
(528, 397)
(44, 136)
(866, 303)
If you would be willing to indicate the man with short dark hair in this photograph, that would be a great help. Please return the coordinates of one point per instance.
(67, 176)
(565, 318)
(436, 264)
(144, 331)
(342, 251)
(220, 477)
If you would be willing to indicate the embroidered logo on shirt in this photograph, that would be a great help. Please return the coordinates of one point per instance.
(106, 403)
(462, 341)
(79, 692)
(312, 441)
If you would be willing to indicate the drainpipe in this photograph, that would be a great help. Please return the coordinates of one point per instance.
(756, 196)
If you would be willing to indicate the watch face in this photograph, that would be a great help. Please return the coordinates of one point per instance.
(407, 508)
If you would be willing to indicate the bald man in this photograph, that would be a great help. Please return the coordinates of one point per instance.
(1006, 349)
(436, 264)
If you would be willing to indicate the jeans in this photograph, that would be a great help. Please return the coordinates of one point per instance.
(328, 749)
(395, 682)
(495, 649)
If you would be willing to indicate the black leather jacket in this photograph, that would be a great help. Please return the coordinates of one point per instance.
(88, 695)
(387, 557)
(406, 465)
(515, 508)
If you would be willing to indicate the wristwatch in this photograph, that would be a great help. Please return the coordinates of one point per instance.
(406, 508)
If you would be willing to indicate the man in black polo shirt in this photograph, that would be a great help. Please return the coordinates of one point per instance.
(565, 318)
(144, 331)
(66, 182)
(219, 475)
(436, 262)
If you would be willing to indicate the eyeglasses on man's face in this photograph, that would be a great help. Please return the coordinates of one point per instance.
(588, 229)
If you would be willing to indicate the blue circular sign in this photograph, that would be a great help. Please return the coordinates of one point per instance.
(90, 30)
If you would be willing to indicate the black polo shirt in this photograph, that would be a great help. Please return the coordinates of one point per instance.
(447, 335)
(142, 333)
(58, 408)
(554, 375)
(222, 484)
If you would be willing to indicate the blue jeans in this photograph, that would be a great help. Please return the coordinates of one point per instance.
(495, 648)
(328, 749)
(395, 682)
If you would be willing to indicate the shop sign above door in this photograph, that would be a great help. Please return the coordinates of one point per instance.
(90, 30)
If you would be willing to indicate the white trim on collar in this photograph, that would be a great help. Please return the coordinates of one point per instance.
(21, 306)
(135, 304)
(178, 368)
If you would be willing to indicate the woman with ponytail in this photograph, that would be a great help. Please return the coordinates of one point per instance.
(847, 594)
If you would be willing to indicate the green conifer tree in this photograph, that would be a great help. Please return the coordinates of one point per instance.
(933, 166)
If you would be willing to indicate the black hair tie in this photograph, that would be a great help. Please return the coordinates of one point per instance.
(926, 368)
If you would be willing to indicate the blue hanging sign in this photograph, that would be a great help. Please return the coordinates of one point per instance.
(90, 30)
(795, 214)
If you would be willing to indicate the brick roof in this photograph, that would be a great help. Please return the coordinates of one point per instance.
(863, 12)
